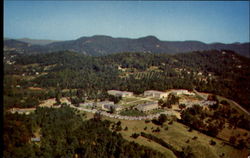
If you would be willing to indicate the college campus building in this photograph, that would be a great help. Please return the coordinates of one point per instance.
(120, 93)
(147, 106)
(155, 94)
(182, 91)
(101, 104)
(108, 107)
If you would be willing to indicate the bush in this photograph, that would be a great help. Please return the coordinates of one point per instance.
(157, 130)
(126, 128)
(166, 128)
(242, 144)
(147, 121)
(224, 102)
(171, 122)
(194, 138)
(212, 142)
(232, 139)
(162, 118)
(135, 135)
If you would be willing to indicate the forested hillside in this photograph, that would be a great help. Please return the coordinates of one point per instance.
(65, 133)
(221, 72)
(99, 45)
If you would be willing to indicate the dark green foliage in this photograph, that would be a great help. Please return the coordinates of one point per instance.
(162, 118)
(224, 102)
(241, 144)
(166, 128)
(194, 138)
(212, 142)
(132, 113)
(97, 74)
(182, 106)
(115, 99)
(192, 117)
(172, 99)
(232, 140)
(126, 128)
(135, 135)
(147, 121)
(65, 134)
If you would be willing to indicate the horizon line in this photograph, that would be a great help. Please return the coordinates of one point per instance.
(236, 42)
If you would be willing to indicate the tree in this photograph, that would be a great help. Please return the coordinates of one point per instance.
(97, 116)
(162, 118)
(58, 94)
(182, 106)
(212, 130)
(126, 128)
(241, 144)
(172, 99)
(135, 135)
(212, 142)
(232, 139)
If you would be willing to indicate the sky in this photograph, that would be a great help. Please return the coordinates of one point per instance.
(217, 21)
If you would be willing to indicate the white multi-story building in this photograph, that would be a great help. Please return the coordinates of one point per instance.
(147, 106)
(120, 93)
(156, 94)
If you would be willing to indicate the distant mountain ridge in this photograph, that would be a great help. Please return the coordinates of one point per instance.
(102, 45)
(36, 41)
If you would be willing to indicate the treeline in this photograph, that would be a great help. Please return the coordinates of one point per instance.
(64, 133)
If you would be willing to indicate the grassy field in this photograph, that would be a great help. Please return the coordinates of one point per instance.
(177, 135)
(131, 101)
(132, 113)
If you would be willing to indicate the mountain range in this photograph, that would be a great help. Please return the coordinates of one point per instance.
(102, 45)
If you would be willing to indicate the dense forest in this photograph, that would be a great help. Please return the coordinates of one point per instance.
(223, 73)
(64, 132)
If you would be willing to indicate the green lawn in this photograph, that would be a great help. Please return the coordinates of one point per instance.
(132, 113)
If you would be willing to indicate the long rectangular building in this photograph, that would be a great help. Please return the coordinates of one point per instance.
(155, 94)
(147, 106)
(120, 93)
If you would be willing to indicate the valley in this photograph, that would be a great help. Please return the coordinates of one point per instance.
(193, 104)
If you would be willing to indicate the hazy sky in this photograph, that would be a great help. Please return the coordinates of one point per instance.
(209, 22)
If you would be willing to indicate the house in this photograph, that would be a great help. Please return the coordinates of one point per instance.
(147, 106)
(120, 93)
(156, 94)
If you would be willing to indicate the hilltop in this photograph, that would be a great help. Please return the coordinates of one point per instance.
(103, 45)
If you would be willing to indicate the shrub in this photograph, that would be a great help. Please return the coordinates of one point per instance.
(212, 142)
(194, 138)
(232, 139)
(171, 122)
(166, 128)
(147, 121)
(135, 135)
